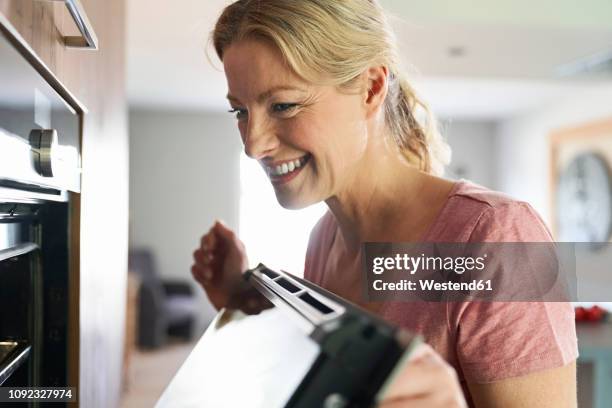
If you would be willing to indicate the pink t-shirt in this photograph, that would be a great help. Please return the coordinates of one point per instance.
(483, 341)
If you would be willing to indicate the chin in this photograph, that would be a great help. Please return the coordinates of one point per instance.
(293, 201)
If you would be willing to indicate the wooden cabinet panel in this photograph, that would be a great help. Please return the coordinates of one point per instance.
(96, 79)
(38, 23)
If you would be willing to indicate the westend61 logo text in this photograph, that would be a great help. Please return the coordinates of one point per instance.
(412, 264)
(482, 271)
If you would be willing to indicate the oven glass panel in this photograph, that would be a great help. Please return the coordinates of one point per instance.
(18, 362)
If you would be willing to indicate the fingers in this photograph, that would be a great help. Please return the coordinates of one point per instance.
(204, 257)
(420, 351)
(198, 275)
(223, 230)
(209, 240)
(203, 275)
(220, 258)
(218, 239)
(427, 380)
(416, 379)
(202, 265)
(232, 244)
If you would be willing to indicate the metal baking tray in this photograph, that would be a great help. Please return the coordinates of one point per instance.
(308, 348)
(13, 353)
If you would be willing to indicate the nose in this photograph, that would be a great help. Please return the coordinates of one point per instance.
(259, 139)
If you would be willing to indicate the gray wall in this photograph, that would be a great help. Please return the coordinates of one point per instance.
(184, 173)
(473, 146)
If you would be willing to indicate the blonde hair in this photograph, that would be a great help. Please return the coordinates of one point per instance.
(333, 42)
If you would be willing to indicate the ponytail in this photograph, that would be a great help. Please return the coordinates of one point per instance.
(419, 141)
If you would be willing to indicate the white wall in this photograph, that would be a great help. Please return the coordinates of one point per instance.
(184, 173)
(522, 150)
(473, 147)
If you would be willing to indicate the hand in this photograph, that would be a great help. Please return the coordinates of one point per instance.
(218, 266)
(427, 381)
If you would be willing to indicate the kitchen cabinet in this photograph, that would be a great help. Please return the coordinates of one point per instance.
(99, 214)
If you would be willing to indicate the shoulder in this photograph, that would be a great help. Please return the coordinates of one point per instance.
(475, 213)
(474, 195)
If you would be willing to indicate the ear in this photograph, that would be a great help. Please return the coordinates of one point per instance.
(376, 89)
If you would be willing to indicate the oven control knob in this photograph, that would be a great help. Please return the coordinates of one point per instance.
(43, 143)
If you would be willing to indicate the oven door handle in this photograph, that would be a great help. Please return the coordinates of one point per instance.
(88, 39)
(17, 250)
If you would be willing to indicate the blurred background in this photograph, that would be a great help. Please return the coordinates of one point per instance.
(522, 89)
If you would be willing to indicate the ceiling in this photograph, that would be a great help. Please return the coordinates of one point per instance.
(468, 59)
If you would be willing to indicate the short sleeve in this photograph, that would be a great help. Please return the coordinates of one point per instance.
(499, 340)
(512, 221)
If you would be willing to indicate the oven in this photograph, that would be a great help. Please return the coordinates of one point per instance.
(40, 133)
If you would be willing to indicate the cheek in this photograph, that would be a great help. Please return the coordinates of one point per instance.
(346, 133)
(345, 116)
(298, 133)
(336, 122)
(335, 144)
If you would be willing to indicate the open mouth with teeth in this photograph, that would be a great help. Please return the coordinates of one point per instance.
(284, 171)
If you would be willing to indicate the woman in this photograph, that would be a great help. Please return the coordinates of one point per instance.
(322, 105)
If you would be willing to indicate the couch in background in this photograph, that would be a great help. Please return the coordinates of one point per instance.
(165, 307)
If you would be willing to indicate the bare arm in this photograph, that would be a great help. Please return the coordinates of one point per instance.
(554, 388)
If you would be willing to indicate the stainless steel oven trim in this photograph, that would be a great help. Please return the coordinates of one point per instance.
(29, 197)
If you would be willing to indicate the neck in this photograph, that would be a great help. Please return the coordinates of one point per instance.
(383, 191)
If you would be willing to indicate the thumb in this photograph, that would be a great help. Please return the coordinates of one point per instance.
(421, 351)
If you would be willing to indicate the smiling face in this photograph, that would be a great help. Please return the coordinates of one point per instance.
(308, 138)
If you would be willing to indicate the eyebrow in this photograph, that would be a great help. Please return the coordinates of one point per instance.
(265, 95)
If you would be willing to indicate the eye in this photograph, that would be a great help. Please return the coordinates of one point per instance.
(240, 113)
(283, 107)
